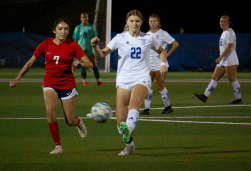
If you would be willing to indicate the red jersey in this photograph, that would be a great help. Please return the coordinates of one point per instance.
(58, 60)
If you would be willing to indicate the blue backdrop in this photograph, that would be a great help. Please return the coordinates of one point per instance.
(196, 51)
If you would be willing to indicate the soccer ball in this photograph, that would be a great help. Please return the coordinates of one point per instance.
(101, 112)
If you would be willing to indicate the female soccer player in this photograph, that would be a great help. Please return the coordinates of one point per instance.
(59, 81)
(133, 79)
(227, 62)
(163, 38)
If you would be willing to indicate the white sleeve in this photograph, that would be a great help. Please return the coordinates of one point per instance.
(167, 38)
(155, 44)
(113, 44)
(230, 37)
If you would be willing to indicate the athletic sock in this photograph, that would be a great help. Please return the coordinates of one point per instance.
(165, 97)
(83, 72)
(237, 89)
(131, 142)
(120, 132)
(54, 130)
(211, 86)
(132, 119)
(96, 72)
(148, 100)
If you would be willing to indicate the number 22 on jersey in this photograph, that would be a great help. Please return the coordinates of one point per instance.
(135, 53)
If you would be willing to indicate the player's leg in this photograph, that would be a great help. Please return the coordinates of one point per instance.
(164, 94)
(93, 59)
(138, 94)
(231, 74)
(148, 100)
(69, 103)
(51, 102)
(84, 75)
(219, 71)
(122, 101)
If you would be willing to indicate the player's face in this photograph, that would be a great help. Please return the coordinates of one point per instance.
(84, 18)
(224, 23)
(153, 23)
(134, 23)
(62, 31)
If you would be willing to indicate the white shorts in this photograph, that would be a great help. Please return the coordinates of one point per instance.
(228, 61)
(129, 86)
(155, 64)
(63, 94)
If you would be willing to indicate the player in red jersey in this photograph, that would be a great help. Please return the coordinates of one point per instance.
(59, 81)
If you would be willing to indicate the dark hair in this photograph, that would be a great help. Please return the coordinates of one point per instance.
(157, 18)
(84, 14)
(59, 21)
(228, 18)
(131, 13)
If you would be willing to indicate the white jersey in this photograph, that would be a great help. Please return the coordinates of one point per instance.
(164, 39)
(231, 58)
(134, 56)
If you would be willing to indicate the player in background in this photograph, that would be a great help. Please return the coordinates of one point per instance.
(227, 62)
(164, 39)
(83, 33)
(133, 79)
(59, 81)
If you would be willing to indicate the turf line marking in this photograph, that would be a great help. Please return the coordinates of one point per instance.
(198, 122)
(203, 106)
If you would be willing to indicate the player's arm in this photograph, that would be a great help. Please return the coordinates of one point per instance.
(163, 56)
(85, 62)
(25, 69)
(98, 52)
(175, 45)
(225, 52)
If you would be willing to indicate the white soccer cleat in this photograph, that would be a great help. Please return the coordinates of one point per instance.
(57, 150)
(81, 128)
(127, 151)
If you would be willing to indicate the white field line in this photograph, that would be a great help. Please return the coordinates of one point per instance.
(113, 80)
(157, 119)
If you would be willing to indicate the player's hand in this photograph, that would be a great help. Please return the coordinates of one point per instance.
(163, 72)
(76, 63)
(218, 60)
(13, 83)
(94, 41)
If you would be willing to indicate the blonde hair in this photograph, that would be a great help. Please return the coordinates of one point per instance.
(134, 12)
(157, 18)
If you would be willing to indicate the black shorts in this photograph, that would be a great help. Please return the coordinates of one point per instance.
(64, 94)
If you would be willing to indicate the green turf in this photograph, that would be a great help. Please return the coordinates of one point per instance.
(183, 140)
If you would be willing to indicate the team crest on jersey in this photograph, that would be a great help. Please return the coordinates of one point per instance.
(143, 41)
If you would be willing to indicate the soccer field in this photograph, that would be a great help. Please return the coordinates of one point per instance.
(196, 136)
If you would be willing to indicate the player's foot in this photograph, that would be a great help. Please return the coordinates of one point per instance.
(126, 132)
(167, 110)
(145, 112)
(100, 83)
(237, 101)
(85, 83)
(128, 150)
(81, 128)
(57, 150)
(201, 97)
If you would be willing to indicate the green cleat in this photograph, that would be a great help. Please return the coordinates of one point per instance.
(126, 132)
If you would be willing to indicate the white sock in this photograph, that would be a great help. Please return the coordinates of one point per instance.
(148, 100)
(165, 97)
(130, 144)
(237, 89)
(132, 119)
(210, 88)
(84, 80)
(120, 132)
